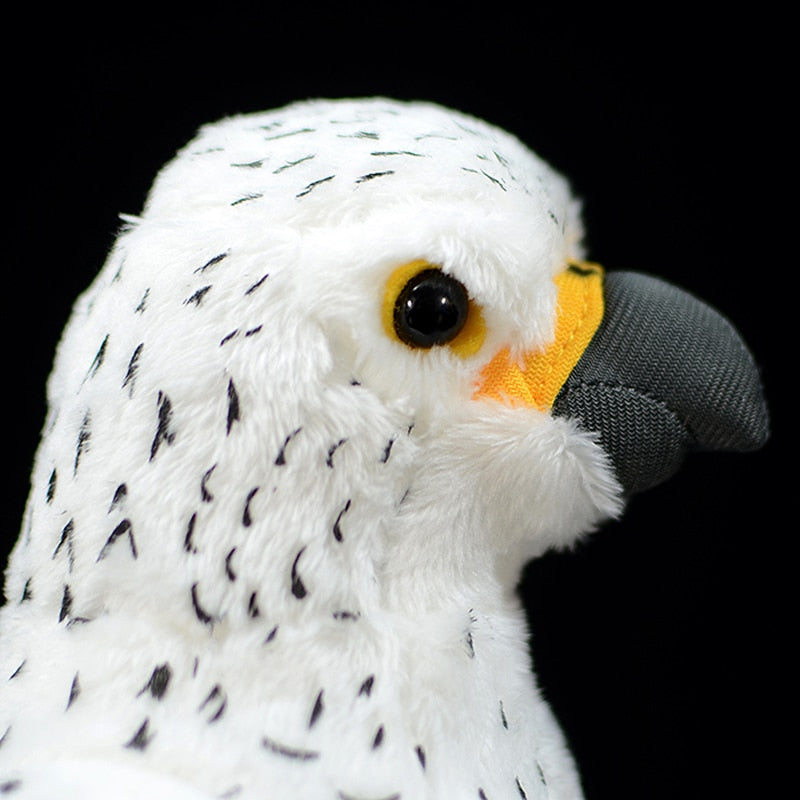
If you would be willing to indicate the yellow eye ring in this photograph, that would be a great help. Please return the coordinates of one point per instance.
(418, 288)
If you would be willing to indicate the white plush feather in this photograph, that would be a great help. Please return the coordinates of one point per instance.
(269, 551)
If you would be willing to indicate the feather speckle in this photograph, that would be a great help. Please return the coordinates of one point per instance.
(74, 691)
(298, 587)
(290, 752)
(204, 616)
(316, 712)
(158, 681)
(142, 738)
(164, 433)
(66, 604)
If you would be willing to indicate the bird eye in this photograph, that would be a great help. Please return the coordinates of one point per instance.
(425, 307)
(431, 309)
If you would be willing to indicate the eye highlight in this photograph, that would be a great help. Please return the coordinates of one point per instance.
(425, 307)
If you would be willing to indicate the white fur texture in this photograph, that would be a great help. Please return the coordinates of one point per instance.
(269, 551)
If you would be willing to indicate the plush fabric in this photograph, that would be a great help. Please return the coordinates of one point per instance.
(271, 549)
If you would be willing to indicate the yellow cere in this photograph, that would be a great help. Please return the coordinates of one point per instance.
(537, 378)
(470, 337)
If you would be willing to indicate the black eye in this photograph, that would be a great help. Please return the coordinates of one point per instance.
(431, 309)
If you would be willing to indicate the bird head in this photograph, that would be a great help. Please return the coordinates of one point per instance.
(385, 306)
(350, 363)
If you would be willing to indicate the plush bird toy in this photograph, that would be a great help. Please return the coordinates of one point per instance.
(344, 376)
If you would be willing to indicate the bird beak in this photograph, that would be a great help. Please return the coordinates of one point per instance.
(652, 370)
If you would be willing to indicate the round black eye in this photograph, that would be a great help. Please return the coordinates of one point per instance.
(431, 309)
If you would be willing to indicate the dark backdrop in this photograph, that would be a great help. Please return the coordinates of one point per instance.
(660, 641)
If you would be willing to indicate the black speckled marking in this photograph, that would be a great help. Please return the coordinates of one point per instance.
(247, 519)
(258, 283)
(288, 133)
(163, 432)
(200, 612)
(228, 336)
(252, 606)
(8, 787)
(82, 445)
(271, 635)
(377, 740)
(435, 136)
(298, 587)
(27, 591)
(289, 752)
(72, 621)
(281, 458)
(142, 303)
(482, 795)
(211, 262)
(123, 528)
(17, 671)
(205, 495)
(133, 368)
(97, 362)
(51, 486)
(66, 604)
(372, 175)
(316, 712)
(218, 696)
(337, 529)
(188, 544)
(246, 198)
(421, 756)
(541, 774)
(387, 451)
(397, 153)
(74, 691)
(158, 681)
(142, 738)
(331, 450)
(313, 185)
(233, 407)
(4, 737)
(360, 135)
(253, 331)
(352, 616)
(503, 718)
(66, 537)
(494, 180)
(290, 164)
(520, 789)
(120, 493)
(228, 568)
(366, 687)
(470, 645)
(197, 298)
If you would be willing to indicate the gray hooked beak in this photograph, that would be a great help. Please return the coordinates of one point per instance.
(664, 374)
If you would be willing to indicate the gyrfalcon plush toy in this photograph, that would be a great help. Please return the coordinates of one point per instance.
(342, 378)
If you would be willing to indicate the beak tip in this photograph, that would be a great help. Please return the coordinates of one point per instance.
(665, 374)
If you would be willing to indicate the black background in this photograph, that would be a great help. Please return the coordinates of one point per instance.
(660, 642)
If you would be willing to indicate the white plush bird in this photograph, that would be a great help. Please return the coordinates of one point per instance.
(341, 379)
